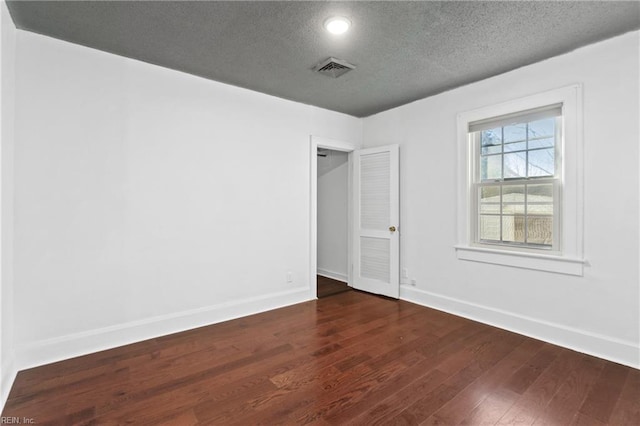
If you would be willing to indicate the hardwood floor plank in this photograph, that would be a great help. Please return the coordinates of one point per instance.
(583, 420)
(528, 373)
(364, 377)
(185, 418)
(540, 392)
(627, 409)
(483, 356)
(199, 376)
(391, 409)
(452, 359)
(329, 287)
(230, 387)
(370, 346)
(351, 358)
(605, 392)
(456, 336)
(565, 403)
(308, 375)
(460, 407)
(492, 408)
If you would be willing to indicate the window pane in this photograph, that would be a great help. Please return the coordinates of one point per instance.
(515, 132)
(513, 199)
(490, 199)
(513, 228)
(514, 192)
(540, 214)
(490, 227)
(541, 162)
(515, 165)
(491, 137)
(541, 128)
(540, 230)
(491, 141)
(491, 167)
(541, 143)
(540, 195)
(491, 149)
(540, 209)
(515, 146)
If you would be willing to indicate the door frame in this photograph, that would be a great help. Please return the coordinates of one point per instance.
(316, 142)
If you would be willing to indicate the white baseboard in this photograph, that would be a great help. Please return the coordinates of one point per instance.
(612, 349)
(43, 352)
(9, 372)
(333, 275)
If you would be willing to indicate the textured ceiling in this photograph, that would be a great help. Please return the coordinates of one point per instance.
(403, 50)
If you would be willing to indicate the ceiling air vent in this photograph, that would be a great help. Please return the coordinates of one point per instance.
(333, 67)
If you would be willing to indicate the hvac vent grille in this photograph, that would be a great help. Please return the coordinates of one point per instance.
(333, 67)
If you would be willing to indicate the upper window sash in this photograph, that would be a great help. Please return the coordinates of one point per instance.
(533, 114)
(518, 148)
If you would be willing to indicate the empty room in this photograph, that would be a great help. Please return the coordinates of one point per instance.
(316, 212)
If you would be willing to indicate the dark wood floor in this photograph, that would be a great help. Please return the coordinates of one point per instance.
(351, 358)
(329, 286)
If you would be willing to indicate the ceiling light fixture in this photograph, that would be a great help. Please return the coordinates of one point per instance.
(337, 25)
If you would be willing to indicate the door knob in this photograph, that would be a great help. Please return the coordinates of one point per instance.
(392, 228)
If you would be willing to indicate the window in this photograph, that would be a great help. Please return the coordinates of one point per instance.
(516, 179)
(520, 183)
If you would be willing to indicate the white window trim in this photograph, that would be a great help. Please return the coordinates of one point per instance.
(569, 260)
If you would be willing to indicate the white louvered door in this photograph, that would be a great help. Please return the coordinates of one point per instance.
(376, 245)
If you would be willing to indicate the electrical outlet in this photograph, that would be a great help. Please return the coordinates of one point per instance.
(289, 277)
(413, 282)
(405, 273)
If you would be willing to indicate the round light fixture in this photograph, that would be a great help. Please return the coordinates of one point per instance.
(337, 25)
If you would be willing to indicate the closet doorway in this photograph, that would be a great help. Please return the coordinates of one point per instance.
(373, 213)
(333, 222)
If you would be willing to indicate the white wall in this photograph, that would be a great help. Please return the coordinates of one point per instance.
(597, 313)
(333, 175)
(150, 201)
(7, 97)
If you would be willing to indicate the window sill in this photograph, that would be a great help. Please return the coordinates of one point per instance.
(524, 260)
